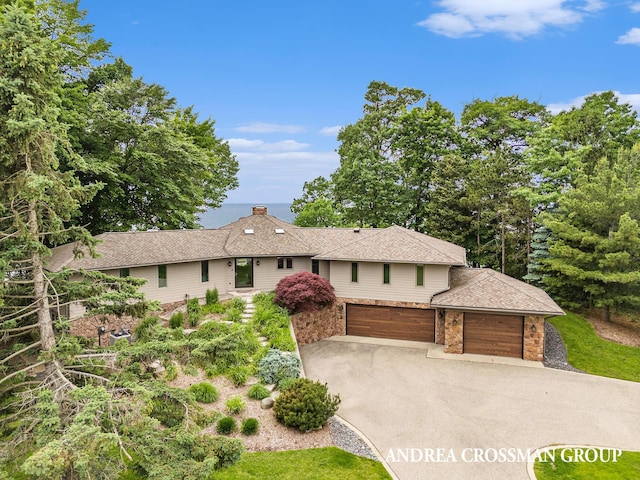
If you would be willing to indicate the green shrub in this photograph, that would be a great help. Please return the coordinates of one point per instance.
(249, 426)
(226, 425)
(277, 365)
(190, 370)
(213, 308)
(237, 303)
(211, 297)
(285, 383)
(283, 341)
(194, 312)
(235, 404)
(239, 374)
(176, 320)
(258, 392)
(306, 405)
(167, 410)
(204, 392)
(233, 315)
(227, 450)
(171, 372)
(205, 419)
(147, 329)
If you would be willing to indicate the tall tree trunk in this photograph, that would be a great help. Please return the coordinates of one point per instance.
(503, 247)
(606, 313)
(45, 323)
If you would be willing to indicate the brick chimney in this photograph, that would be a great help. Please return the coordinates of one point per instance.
(259, 210)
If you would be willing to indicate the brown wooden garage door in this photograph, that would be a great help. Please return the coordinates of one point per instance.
(391, 322)
(491, 334)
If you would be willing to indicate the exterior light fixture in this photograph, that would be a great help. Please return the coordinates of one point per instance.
(229, 263)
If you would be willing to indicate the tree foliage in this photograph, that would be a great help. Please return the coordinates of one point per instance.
(304, 292)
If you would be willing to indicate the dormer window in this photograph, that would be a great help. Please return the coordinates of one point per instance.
(280, 230)
(248, 231)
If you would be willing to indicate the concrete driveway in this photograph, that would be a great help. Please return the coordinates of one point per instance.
(455, 419)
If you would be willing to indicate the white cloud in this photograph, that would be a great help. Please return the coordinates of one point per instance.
(261, 127)
(330, 131)
(631, 98)
(632, 37)
(238, 144)
(513, 18)
(635, 8)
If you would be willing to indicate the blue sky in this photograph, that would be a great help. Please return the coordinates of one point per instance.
(280, 77)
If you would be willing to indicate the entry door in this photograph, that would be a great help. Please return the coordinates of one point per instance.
(244, 272)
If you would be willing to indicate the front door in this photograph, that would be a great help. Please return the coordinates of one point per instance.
(244, 272)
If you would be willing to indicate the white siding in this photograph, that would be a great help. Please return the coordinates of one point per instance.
(402, 286)
(267, 275)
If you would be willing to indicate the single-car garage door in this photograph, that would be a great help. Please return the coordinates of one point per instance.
(391, 322)
(491, 334)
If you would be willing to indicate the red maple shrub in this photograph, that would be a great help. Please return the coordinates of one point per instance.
(304, 292)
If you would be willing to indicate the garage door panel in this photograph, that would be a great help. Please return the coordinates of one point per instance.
(391, 322)
(489, 334)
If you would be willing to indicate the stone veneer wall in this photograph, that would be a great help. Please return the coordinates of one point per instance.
(533, 345)
(453, 331)
(311, 327)
(440, 326)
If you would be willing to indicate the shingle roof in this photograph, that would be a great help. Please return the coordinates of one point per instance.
(260, 235)
(485, 289)
(398, 245)
(134, 249)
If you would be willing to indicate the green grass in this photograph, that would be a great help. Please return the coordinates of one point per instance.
(329, 463)
(627, 467)
(588, 352)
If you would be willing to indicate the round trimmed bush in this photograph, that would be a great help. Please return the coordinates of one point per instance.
(249, 426)
(204, 392)
(226, 425)
(306, 405)
(258, 392)
(276, 365)
(304, 292)
(235, 404)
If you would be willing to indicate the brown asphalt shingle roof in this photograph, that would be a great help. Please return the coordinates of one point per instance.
(131, 249)
(485, 289)
(398, 245)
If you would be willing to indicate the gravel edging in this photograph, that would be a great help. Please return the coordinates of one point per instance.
(348, 440)
(555, 351)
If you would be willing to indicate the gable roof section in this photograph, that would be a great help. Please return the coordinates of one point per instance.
(488, 290)
(264, 240)
(135, 249)
(398, 245)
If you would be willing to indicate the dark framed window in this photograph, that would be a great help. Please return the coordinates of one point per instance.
(315, 267)
(354, 271)
(386, 273)
(124, 272)
(244, 272)
(162, 275)
(204, 270)
(285, 261)
(420, 275)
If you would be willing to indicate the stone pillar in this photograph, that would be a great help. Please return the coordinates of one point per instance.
(453, 331)
(533, 343)
(440, 326)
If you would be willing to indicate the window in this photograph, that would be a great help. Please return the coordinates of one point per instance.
(282, 261)
(315, 267)
(162, 275)
(420, 275)
(124, 272)
(354, 272)
(386, 273)
(204, 270)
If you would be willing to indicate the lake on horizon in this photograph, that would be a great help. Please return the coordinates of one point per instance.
(230, 212)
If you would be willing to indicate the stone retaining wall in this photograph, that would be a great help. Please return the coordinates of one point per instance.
(311, 327)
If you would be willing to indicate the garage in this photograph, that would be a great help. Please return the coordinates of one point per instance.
(391, 322)
(491, 334)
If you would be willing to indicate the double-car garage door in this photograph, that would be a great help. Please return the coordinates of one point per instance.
(391, 322)
(483, 333)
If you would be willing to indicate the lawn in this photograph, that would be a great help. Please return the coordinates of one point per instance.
(330, 463)
(588, 352)
(627, 467)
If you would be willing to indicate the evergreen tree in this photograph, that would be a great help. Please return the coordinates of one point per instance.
(595, 246)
